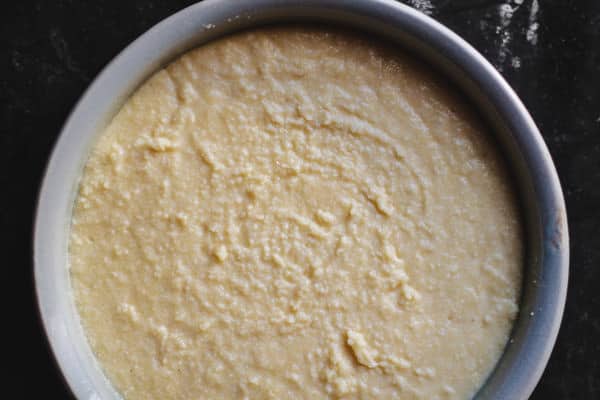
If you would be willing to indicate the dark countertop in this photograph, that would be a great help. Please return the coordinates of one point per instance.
(548, 50)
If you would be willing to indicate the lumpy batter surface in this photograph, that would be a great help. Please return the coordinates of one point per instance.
(294, 213)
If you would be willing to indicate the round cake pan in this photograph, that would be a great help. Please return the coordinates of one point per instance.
(546, 266)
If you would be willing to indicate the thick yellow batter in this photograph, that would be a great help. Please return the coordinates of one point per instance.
(294, 213)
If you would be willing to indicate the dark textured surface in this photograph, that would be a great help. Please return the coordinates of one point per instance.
(51, 50)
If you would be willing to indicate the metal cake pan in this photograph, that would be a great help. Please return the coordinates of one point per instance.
(546, 267)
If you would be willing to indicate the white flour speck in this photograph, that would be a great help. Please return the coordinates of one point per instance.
(424, 6)
(505, 12)
(532, 30)
(532, 36)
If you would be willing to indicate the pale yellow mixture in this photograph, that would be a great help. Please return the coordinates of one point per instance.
(294, 213)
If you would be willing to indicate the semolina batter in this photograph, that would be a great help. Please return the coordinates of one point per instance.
(295, 213)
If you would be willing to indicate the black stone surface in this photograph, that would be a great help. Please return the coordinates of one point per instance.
(51, 50)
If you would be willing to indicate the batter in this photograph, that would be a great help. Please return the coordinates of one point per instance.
(295, 213)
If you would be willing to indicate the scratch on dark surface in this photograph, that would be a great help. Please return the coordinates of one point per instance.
(62, 52)
(17, 60)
